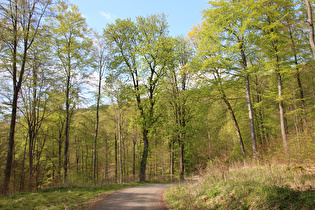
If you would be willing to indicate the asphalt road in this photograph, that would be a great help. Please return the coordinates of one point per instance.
(140, 198)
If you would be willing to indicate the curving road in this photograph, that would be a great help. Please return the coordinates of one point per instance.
(140, 197)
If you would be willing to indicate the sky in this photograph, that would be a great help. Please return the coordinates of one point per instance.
(182, 15)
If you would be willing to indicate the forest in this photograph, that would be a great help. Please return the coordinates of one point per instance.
(133, 103)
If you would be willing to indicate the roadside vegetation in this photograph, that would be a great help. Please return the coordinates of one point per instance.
(247, 187)
(60, 198)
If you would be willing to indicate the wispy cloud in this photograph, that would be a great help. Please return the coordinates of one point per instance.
(108, 16)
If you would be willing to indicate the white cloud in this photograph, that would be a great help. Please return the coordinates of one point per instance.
(107, 15)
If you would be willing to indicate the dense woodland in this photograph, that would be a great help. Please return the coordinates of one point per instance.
(132, 103)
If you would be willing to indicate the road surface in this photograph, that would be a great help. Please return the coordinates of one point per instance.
(140, 197)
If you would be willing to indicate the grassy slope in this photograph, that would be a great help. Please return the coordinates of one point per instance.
(60, 198)
(247, 188)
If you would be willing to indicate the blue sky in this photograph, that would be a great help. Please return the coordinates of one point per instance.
(181, 14)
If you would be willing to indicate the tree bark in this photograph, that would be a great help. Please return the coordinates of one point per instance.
(23, 166)
(311, 25)
(300, 92)
(7, 171)
(171, 147)
(67, 126)
(33, 125)
(16, 90)
(60, 151)
(248, 100)
(261, 126)
(106, 160)
(77, 157)
(116, 159)
(229, 107)
(281, 109)
(134, 152)
(145, 152)
(119, 147)
(96, 127)
(181, 158)
(237, 129)
(251, 116)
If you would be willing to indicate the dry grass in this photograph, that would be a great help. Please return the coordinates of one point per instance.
(247, 187)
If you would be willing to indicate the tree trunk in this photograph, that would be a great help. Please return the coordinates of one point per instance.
(134, 153)
(300, 92)
(251, 116)
(281, 109)
(116, 159)
(33, 124)
(171, 146)
(82, 160)
(237, 129)
(77, 157)
(38, 156)
(162, 161)
(145, 130)
(30, 156)
(181, 158)
(229, 107)
(7, 171)
(106, 160)
(60, 153)
(96, 128)
(119, 148)
(260, 124)
(23, 166)
(182, 123)
(208, 143)
(311, 25)
(67, 127)
(248, 100)
(143, 163)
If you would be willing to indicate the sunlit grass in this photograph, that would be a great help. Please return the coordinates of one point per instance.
(60, 198)
(256, 187)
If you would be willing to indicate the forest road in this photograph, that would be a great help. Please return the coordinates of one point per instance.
(141, 197)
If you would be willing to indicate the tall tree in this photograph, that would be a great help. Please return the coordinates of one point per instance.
(143, 50)
(20, 22)
(272, 43)
(219, 81)
(311, 25)
(116, 93)
(209, 60)
(233, 30)
(72, 47)
(101, 58)
(179, 79)
(292, 27)
(35, 93)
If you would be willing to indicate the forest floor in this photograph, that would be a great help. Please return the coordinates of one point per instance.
(61, 198)
(251, 187)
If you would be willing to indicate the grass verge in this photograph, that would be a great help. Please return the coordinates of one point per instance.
(247, 188)
(60, 198)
